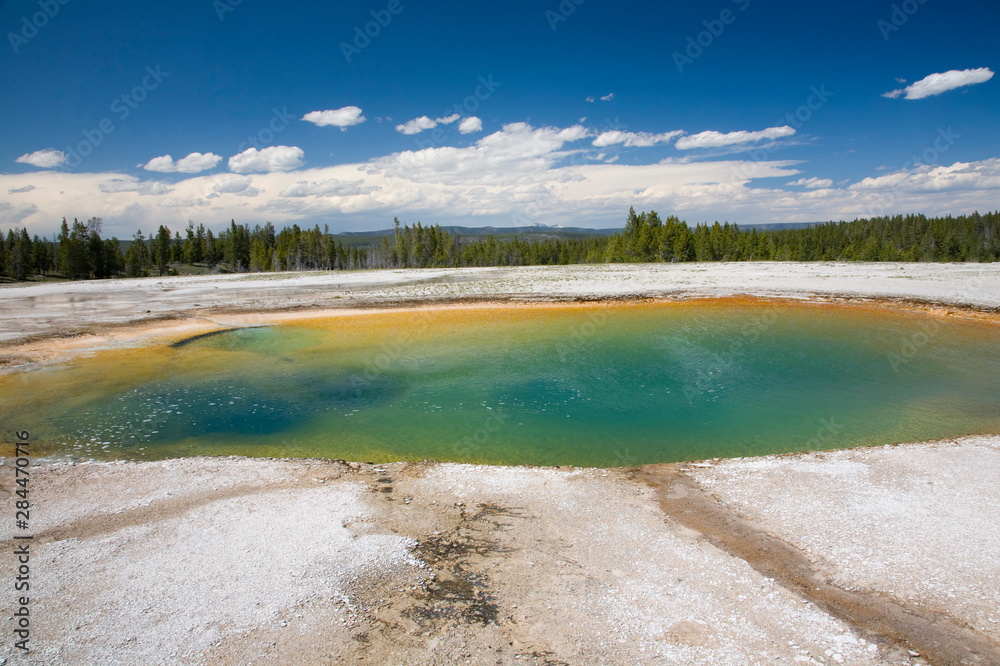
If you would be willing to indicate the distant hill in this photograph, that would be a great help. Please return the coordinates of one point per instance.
(538, 232)
(778, 226)
(532, 233)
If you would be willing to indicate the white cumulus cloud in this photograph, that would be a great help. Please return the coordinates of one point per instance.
(470, 125)
(132, 184)
(345, 117)
(45, 159)
(331, 187)
(232, 184)
(12, 215)
(416, 125)
(633, 139)
(193, 163)
(422, 123)
(608, 97)
(272, 158)
(813, 183)
(935, 84)
(958, 177)
(712, 139)
(514, 154)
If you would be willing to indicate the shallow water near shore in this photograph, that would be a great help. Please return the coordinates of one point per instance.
(555, 384)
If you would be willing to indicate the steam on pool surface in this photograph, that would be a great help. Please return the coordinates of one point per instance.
(588, 385)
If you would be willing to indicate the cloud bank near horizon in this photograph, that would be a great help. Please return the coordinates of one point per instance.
(515, 176)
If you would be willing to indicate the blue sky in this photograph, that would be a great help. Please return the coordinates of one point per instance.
(497, 114)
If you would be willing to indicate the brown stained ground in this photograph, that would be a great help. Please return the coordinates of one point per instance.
(452, 614)
(457, 607)
(938, 637)
(498, 581)
(459, 593)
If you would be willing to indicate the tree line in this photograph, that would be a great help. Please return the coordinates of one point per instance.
(79, 252)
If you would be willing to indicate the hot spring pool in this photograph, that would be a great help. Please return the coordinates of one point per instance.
(554, 384)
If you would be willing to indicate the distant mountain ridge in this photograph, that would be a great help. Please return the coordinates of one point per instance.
(486, 231)
(540, 231)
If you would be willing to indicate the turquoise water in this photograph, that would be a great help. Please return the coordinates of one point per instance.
(591, 386)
